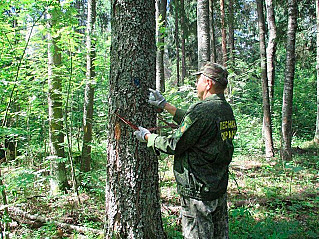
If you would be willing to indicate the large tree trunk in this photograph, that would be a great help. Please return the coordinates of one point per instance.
(132, 190)
(177, 40)
(267, 129)
(160, 23)
(56, 136)
(223, 30)
(316, 138)
(89, 89)
(213, 55)
(271, 48)
(289, 80)
(203, 32)
(183, 40)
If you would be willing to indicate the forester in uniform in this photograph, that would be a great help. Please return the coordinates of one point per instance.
(202, 147)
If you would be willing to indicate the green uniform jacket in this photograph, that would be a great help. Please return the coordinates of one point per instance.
(202, 148)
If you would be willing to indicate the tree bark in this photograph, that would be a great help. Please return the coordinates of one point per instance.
(223, 30)
(4, 232)
(267, 128)
(177, 41)
(271, 49)
(56, 136)
(160, 23)
(316, 138)
(286, 126)
(89, 89)
(213, 55)
(203, 32)
(231, 43)
(132, 190)
(183, 41)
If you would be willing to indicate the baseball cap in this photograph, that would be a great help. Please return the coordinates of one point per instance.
(215, 72)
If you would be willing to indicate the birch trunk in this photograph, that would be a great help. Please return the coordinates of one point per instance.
(56, 136)
(271, 48)
(203, 32)
(267, 128)
(286, 126)
(132, 190)
(89, 89)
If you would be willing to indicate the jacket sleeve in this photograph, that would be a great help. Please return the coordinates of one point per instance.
(183, 138)
(179, 115)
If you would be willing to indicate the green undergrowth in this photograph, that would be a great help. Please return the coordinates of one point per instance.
(266, 199)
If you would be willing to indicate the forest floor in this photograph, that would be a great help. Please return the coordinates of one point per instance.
(266, 199)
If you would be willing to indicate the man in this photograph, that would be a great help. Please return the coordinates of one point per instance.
(202, 148)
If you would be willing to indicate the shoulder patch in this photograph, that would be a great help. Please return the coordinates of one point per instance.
(186, 123)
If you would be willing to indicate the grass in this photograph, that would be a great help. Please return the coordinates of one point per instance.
(267, 199)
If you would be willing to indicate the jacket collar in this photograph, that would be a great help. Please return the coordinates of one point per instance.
(215, 97)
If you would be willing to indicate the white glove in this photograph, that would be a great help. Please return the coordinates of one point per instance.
(140, 134)
(156, 99)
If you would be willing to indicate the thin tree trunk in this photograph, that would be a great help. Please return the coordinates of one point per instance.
(286, 126)
(5, 229)
(267, 128)
(89, 90)
(177, 41)
(271, 49)
(183, 40)
(213, 55)
(316, 138)
(231, 31)
(203, 32)
(69, 135)
(132, 190)
(223, 30)
(160, 23)
(56, 136)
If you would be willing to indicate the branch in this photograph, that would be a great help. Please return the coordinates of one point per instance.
(17, 213)
(18, 70)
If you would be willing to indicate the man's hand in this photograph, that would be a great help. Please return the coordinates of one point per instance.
(140, 134)
(157, 99)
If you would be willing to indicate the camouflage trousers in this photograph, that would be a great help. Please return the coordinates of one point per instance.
(204, 219)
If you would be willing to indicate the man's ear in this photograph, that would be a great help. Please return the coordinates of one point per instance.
(209, 84)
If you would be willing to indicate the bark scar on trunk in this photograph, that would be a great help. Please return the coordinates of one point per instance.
(117, 131)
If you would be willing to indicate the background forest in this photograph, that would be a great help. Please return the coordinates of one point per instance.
(56, 111)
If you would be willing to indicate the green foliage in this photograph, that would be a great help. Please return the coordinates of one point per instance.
(282, 202)
(19, 182)
(173, 231)
(243, 225)
(93, 182)
(47, 231)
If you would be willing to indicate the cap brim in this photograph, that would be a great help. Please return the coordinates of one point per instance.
(197, 73)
